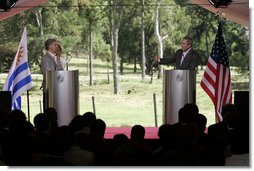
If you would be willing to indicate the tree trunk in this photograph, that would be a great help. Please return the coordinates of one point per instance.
(110, 31)
(158, 36)
(39, 20)
(143, 41)
(135, 64)
(117, 15)
(110, 27)
(114, 62)
(38, 16)
(90, 54)
(157, 32)
(121, 62)
(87, 67)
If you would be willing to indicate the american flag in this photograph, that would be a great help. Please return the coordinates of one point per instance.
(19, 79)
(216, 80)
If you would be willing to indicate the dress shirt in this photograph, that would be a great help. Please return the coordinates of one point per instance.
(184, 54)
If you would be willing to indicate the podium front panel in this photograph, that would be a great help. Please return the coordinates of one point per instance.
(62, 89)
(179, 88)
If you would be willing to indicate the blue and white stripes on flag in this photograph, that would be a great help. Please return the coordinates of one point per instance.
(19, 79)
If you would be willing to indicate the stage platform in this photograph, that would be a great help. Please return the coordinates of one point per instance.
(150, 132)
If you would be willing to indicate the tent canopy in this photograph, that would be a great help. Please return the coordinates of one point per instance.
(22, 5)
(237, 11)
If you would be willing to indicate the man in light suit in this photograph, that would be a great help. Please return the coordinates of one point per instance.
(185, 58)
(48, 63)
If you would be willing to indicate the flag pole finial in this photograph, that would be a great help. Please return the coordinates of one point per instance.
(220, 15)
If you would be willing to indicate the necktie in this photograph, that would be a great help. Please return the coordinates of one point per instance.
(182, 59)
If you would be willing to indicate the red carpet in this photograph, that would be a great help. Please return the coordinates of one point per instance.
(150, 132)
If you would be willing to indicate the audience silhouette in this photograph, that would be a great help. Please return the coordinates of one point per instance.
(82, 142)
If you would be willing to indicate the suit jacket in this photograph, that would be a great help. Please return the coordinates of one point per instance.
(190, 61)
(48, 63)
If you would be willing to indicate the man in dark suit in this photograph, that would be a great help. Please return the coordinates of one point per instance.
(48, 63)
(184, 58)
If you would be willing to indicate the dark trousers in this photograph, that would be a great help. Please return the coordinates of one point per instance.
(45, 100)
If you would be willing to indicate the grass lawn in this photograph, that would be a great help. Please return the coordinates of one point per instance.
(126, 109)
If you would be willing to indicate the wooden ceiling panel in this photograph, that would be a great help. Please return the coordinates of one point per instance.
(22, 5)
(237, 11)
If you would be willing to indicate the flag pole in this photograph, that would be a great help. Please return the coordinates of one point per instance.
(28, 107)
(155, 109)
(93, 101)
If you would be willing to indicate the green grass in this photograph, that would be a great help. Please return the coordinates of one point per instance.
(125, 109)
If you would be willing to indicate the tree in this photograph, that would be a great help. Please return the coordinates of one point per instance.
(237, 39)
(115, 15)
(158, 35)
(143, 40)
(92, 15)
(38, 16)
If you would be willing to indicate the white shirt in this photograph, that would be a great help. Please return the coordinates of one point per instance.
(184, 54)
(53, 56)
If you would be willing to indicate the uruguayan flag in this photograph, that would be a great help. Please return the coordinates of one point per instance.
(19, 79)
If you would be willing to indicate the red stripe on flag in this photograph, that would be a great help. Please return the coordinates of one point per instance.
(209, 93)
(210, 66)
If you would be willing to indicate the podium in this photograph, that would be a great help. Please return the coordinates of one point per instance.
(179, 88)
(62, 93)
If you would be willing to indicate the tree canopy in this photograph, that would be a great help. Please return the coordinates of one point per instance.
(68, 21)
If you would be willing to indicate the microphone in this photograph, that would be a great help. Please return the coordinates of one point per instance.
(68, 60)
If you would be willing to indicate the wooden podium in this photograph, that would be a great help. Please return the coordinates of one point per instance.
(179, 88)
(62, 93)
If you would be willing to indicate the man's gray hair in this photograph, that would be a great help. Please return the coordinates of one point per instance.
(49, 42)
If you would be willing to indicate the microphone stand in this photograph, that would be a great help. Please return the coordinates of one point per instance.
(68, 60)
